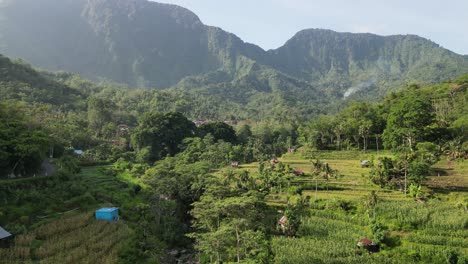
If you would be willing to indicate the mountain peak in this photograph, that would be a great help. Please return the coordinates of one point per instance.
(148, 44)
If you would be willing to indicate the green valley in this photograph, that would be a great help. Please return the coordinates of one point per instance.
(202, 148)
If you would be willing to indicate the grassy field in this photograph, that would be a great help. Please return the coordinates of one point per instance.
(431, 232)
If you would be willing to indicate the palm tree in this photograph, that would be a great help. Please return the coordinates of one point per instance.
(371, 203)
(324, 170)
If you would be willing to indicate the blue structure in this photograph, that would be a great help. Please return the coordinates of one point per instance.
(110, 214)
(78, 152)
(5, 238)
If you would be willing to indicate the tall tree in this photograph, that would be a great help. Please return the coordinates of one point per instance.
(408, 122)
(23, 144)
(158, 135)
(219, 130)
(99, 113)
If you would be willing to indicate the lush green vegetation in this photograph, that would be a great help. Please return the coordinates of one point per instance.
(411, 231)
(217, 193)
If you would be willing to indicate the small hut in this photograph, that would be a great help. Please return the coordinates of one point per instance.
(200, 122)
(235, 164)
(420, 199)
(298, 172)
(367, 244)
(123, 127)
(291, 150)
(365, 164)
(110, 214)
(5, 238)
(282, 222)
(78, 152)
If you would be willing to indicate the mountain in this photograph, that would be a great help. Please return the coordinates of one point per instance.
(152, 45)
(342, 60)
(140, 43)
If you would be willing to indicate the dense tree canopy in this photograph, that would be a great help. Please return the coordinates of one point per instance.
(158, 135)
(23, 144)
(219, 130)
(408, 121)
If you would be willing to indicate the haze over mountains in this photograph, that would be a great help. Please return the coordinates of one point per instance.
(151, 45)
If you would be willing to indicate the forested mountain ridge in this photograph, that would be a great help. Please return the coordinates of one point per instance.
(151, 45)
(339, 61)
(141, 43)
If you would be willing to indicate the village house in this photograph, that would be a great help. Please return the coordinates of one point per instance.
(282, 222)
(200, 122)
(110, 214)
(78, 152)
(365, 164)
(367, 244)
(5, 238)
(123, 127)
(231, 122)
(298, 172)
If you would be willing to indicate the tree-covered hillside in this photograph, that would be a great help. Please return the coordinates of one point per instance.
(347, 63)
(140, 43)
(151, 45)
(19, 81)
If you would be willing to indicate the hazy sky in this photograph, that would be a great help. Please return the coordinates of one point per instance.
(270, 23)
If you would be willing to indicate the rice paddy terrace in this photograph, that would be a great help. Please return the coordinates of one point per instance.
(75, 238)
(435, 231)
(432, 232)
(72, 235)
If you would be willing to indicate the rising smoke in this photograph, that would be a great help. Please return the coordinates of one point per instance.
(359, 87)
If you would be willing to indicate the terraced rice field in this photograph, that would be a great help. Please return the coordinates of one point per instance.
(76, 238)
(431, 232)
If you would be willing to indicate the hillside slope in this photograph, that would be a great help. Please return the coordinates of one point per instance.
(368, 62)
(19, 81)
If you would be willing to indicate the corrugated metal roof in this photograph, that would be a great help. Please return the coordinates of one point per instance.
(4, 233)
(283, 220)
(365, 241)
(107, 209)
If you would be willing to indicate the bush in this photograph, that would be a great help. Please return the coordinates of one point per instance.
(415, 191)
(80, 201)
(378, 230)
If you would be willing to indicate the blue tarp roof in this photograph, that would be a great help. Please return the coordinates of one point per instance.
(78, 151)
(107, 209)
(4, 233)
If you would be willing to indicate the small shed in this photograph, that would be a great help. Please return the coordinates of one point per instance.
(365, 164)
(123, 127)
(5, 238)
(235, 164)
(298, 172)
(78, 152)
(283, 220)
(420, 199)
(110, 214)
(369, 245)
(364, 242)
